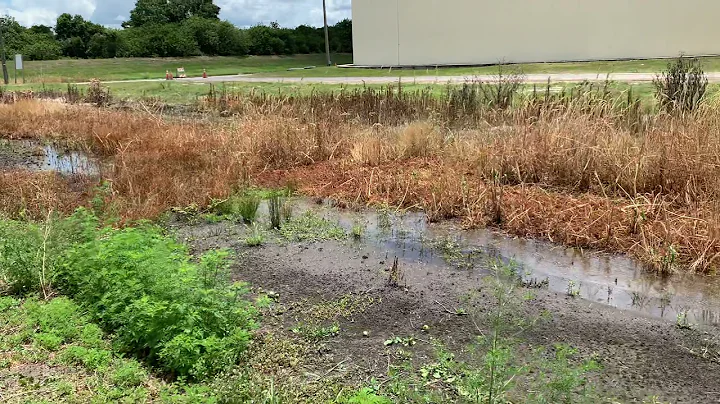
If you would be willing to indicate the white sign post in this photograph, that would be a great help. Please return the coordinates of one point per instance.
(19, 66)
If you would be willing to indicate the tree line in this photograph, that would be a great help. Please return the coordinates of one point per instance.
(167, 28)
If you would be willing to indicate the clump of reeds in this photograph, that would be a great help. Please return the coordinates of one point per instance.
(275, 208)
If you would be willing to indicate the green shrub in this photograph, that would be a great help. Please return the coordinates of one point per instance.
(682, 87)
(48, 341)
(367, 396)
(24, 246)
(7, 303)
(128, 373)
(20, 260)
(89, 358)
(59, 317)
(181, 316)
(243, 205)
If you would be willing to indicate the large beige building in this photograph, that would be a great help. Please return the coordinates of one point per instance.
(447, 32)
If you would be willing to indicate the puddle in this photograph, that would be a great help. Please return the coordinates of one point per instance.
(37, 156)
(613, 280)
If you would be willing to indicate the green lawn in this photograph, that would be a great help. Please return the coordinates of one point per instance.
(621, 66)
(79, 70)
(72, 70)
(176, 92)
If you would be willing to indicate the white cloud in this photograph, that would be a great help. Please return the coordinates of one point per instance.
(33, 12)
(288, 13)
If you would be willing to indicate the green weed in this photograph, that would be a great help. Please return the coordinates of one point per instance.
(244, 205)
(682, 322)
(357, 231)
(367, 396)
(404, 341)
(310, 227)
(275, 205)
(573, 289)
(256, 237)
(135, 282)
(316, 333)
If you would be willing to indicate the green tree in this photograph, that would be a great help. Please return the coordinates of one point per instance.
(13, 33)
(157, 12)
(341, 37)
(36, 43)
(105, 45)
(165, 40)
(233, 41)
(41, 29)
(41, 47)
(75, 33)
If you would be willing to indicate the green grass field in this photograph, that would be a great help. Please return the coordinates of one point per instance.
(176, 92)
(620, 66)
(71, 70)
(82, 70)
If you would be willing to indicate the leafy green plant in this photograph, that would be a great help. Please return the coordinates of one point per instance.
(310, 227)
(181, 316)
(245, 205)
(89, 358)
(357, 231)
(248, 207)
(573, 289)
(682, 322)
(558, 380)
(682, 87)
(316, 333)
(367, 396)
(256, 237)
(404, 341)
(29, 251)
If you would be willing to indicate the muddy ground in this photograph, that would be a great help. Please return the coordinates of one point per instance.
(15, 154)
(640, 356)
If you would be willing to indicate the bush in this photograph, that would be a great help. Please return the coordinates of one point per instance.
(42, 49)
(682, 87)
(128, 373)
(23, 246)
(181, 316)
(166, 40)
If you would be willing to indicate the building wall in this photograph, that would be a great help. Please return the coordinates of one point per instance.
(439, 32)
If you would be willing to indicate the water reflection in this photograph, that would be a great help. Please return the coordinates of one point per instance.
(38, 156)
(614, 280)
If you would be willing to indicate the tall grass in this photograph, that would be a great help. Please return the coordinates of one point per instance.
(585, 167)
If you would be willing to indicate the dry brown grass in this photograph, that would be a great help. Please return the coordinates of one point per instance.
(577, 176)
(28, 194)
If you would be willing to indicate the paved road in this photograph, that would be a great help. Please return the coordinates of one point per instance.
(529, 78)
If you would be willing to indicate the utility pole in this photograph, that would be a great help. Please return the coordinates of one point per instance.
(6, 79)
(327, 37)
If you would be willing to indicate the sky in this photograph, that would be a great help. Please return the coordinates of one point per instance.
(111, 13)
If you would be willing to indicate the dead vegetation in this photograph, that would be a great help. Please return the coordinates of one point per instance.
(586, 167)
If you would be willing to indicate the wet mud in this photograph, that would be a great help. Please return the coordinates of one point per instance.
(642, 350)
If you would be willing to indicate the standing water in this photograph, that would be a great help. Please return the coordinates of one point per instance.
(37, 156)
(614, 280)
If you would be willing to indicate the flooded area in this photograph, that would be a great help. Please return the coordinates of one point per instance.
(612, 280)
(41, 156)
